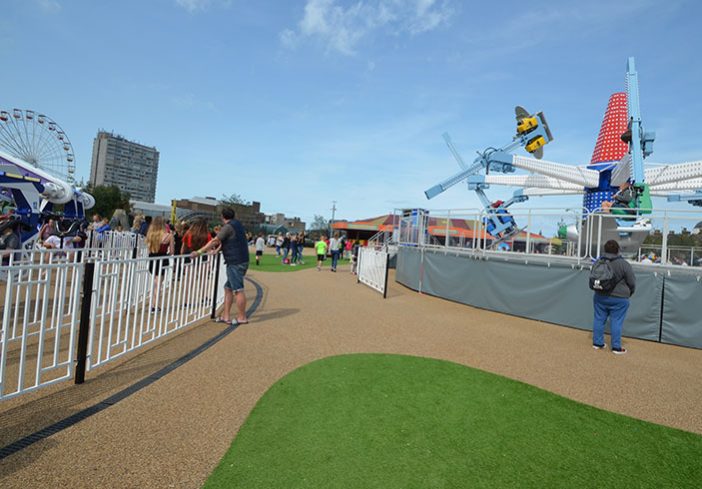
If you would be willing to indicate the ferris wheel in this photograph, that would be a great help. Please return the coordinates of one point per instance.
(38, 140)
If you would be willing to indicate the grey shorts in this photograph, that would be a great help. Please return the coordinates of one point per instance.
(235, 276)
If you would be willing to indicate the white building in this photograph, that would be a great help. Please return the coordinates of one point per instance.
(132, 167)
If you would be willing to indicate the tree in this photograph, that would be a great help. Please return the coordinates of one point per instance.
(108, 198)
(234, 199)
(319, 223)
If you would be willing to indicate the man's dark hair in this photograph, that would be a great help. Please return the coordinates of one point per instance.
(228, 213)
(148, 219)
(612, 247)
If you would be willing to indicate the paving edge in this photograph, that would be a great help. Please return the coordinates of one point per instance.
(69, 421)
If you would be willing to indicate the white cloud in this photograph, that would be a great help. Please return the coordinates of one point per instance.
(49, 6)
(341, 28)
(289, 39)
(193, 6)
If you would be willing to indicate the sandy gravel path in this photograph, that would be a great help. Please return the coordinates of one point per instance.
(173, 432)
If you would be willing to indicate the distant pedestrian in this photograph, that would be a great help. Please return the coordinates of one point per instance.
(260, 246)
(321, 250)
(355, 250)
(286, 248)
(103, 226)
(614, 284)
(136, 225)
(232, 240)
(144, 227)
(335, 248)
(300, 248)
(278, 243)
(9, 242)
(161, 245)
(95, 222)
(294, 250)
(80, 239)
(348, 248)
(178, 234)
(197, 236)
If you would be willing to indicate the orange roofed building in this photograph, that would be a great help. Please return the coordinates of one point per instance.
(467, 229)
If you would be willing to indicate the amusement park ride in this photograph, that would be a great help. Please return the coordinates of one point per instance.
(36, 173)
(617, 163)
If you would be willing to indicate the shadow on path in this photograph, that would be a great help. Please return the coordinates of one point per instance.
(276, 314)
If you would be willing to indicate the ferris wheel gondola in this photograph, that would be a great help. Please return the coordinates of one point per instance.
(38, 140)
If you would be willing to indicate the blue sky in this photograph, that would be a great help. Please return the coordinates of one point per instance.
(299, 103)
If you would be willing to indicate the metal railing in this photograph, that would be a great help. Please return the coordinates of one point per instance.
(109, 245)
(114, 240)
(139, 301)
(111, 306)
(676, 255)
(465, 232)
(39, 324)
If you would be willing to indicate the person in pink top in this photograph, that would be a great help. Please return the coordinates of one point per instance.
(348, 246)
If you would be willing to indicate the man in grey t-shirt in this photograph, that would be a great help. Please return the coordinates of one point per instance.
(231, 239)
(613, 304)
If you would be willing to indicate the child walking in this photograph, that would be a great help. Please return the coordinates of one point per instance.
(321, 248)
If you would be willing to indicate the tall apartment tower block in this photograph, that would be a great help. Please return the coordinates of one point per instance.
(130, 166)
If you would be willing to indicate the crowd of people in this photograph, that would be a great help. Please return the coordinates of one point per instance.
(289, 248)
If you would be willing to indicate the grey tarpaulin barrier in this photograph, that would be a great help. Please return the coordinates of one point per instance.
(556, 294)
(682, 311)
(408, 267)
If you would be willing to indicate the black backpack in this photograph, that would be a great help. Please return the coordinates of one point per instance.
(602, 276)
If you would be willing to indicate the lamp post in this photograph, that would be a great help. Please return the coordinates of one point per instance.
(331, 223)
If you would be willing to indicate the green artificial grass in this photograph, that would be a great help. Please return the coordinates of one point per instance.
(388, 421)
(270, 262)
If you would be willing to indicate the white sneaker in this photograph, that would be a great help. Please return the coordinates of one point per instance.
(620, 351)
(600, 347)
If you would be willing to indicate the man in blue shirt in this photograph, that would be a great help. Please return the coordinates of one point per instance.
(231, 239)
(144, 228)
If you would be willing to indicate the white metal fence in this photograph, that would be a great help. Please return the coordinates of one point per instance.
(139, 301)
(132, 302)
(373, 268)
(109, 245)
(40, 316)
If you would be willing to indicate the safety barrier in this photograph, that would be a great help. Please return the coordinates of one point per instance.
(110, 240)
(39, 323)
(373, 267)
(109, 245)
(571, 235)
(466, 229)
(138, 301)
(61, 319)
(665, 307)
